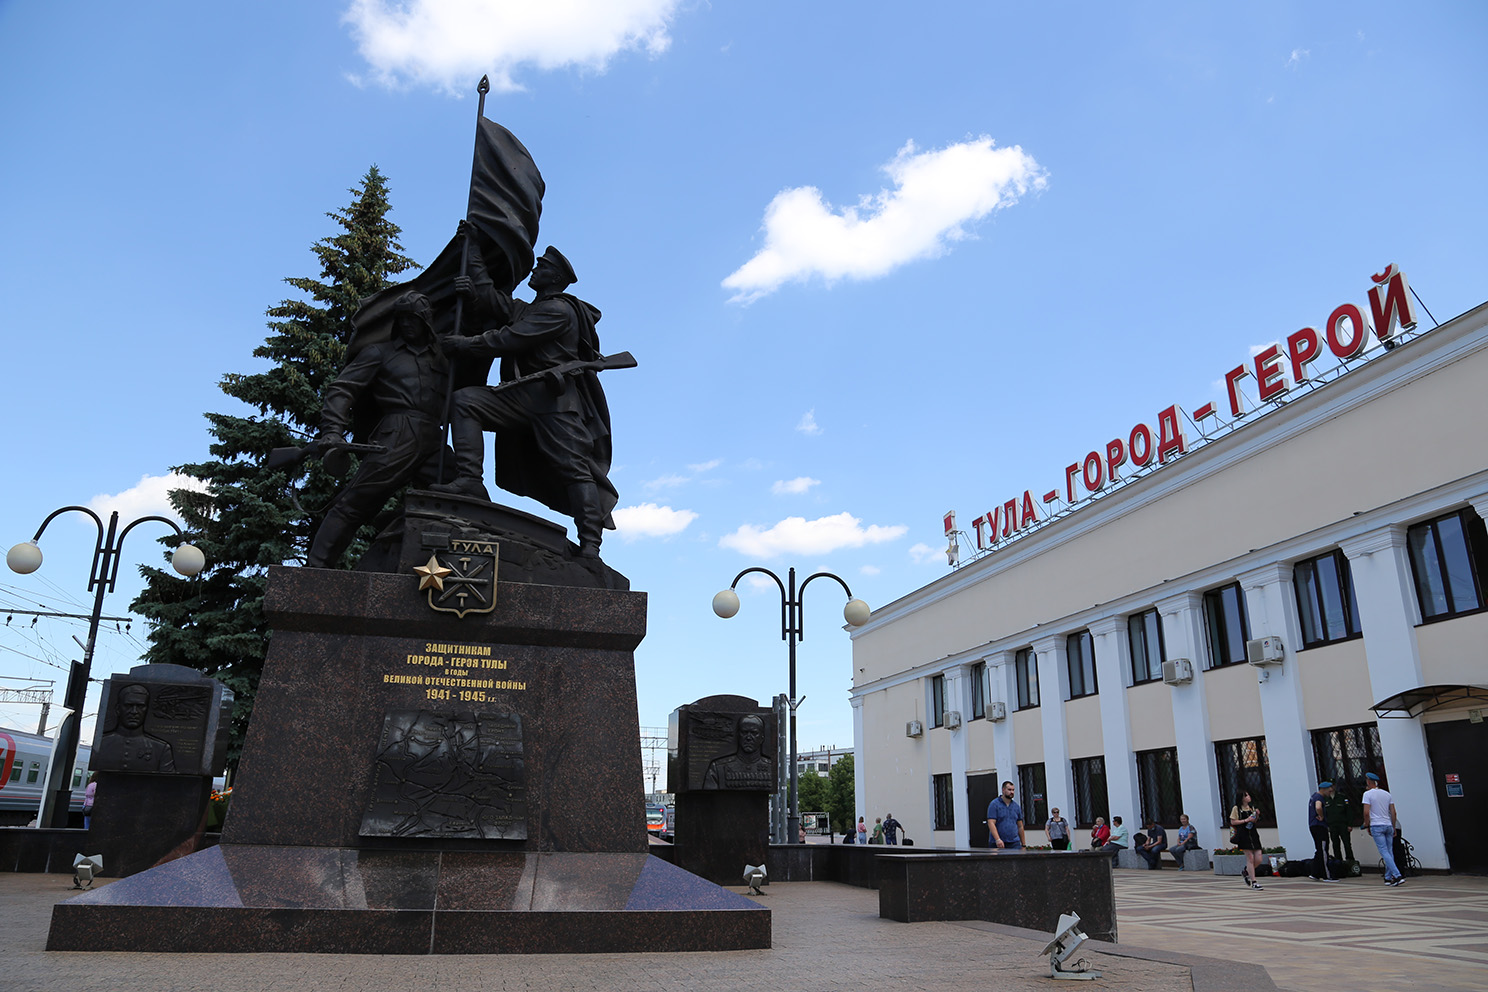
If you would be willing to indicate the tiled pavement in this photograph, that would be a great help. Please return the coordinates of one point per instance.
(1430, 933)
(1356, 935)
(826, 937)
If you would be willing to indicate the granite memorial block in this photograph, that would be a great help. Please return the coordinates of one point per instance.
(721, 764)
(160, 737)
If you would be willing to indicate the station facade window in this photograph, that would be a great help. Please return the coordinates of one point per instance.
(1447, 556)
(1025, 669)
(1090, 791)
(1157, 785)
(945, 807)
(1147, 655)
(979, 690)
(1326, 605)
(937, 701)
(1079, 655)
(1244, 766)
(1033, 796)
(1226, 625)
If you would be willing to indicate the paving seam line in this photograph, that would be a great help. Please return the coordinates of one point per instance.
(1208, 974)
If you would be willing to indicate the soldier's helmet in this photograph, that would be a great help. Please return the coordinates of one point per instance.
(416, 304)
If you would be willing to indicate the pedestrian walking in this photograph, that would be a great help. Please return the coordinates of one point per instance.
(1381, 822)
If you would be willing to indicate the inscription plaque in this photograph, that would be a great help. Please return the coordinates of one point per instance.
(449, 774)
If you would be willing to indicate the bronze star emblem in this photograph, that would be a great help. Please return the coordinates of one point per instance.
(431, 575)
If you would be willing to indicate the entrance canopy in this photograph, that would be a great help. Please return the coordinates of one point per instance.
(1414, 702)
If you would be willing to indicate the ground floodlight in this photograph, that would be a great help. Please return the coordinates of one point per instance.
(84, 868)
(754, 877)
(1068, 938)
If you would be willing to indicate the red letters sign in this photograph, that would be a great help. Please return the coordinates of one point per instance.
(1272, 372)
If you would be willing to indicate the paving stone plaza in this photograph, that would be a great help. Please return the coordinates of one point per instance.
(1177, 932)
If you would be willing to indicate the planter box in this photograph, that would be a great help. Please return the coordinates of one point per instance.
(1234, 864)
(1196, 860)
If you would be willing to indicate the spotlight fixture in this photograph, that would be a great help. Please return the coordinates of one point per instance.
(1067, 940)
(754, 877)
(84, 868)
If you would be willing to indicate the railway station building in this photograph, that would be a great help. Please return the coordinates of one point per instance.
(1288, 586)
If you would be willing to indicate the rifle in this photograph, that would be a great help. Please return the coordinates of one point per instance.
(334, 455)
(619, 360)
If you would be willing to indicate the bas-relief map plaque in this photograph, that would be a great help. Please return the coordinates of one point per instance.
(449, 775)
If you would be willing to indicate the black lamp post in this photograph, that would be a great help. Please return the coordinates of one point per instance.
(792, 629)
(25, 558)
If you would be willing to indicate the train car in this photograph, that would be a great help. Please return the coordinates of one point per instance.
(23, 766)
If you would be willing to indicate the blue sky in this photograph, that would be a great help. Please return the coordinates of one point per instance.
(874, 267)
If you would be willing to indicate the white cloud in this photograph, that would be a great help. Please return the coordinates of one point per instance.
(808, 424)
(1298, 54)
(448, 44)
(650, 520)
(666, 482)
(707, 466)
(870, 569)
(797, 535)
(935, 195)
(793, 487)
(923, 554)
(149, 496)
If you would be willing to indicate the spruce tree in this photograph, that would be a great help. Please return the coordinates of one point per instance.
(245, 518)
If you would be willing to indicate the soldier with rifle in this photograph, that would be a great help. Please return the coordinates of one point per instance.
(550, 416)
(399, 386)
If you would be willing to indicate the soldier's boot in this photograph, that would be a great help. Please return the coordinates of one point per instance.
(331, 540)
(470, 458)
(583, 500)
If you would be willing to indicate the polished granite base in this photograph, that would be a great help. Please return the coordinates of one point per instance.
(248, 898)
(1030, 889)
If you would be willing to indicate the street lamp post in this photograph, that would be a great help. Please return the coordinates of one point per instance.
(792, 629)
(25, 558)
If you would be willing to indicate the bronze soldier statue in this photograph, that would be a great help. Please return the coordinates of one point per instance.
(398, 385)
(552, 434)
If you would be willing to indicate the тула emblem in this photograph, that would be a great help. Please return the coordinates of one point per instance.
(460, 579)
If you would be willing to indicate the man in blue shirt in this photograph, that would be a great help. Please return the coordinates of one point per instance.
(1005, 821)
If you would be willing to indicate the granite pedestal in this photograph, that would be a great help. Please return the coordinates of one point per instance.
(345, 837)
(1021, 888)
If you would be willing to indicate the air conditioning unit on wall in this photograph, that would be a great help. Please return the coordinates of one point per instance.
(997, 711)
(1179, 671)
(952, 719)
(1264, 651)
(914, 728)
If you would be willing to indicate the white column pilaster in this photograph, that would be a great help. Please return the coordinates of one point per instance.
(1003, 687)
(860, 764)
(1059, 783)
(1388, 612)
(1112, 654)
(1271, 604)
(958, 697)
(1183, 632)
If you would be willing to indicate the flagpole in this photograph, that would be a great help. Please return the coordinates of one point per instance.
(482, 88)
